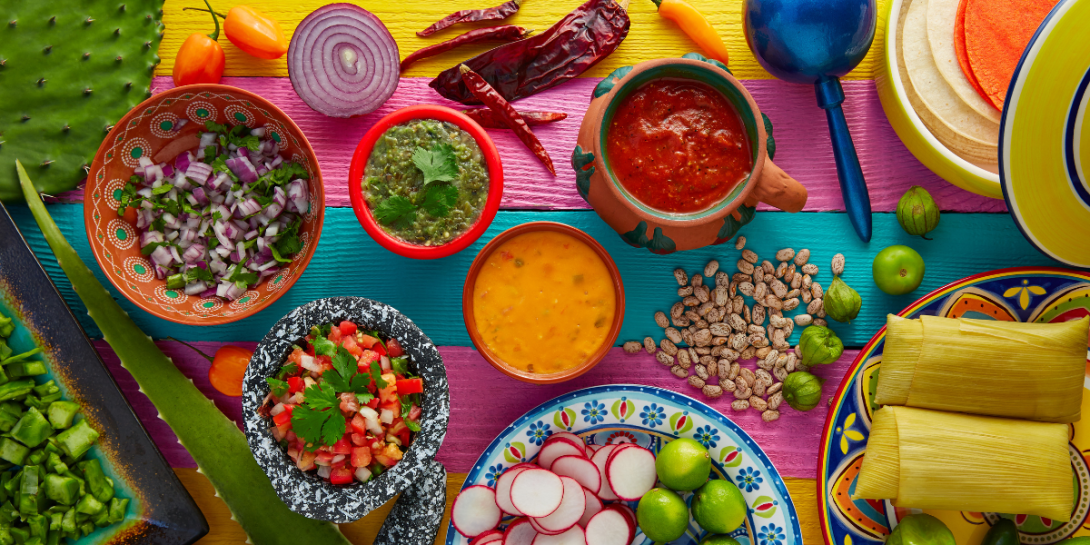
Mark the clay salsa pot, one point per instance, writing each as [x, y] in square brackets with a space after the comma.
[665, 232]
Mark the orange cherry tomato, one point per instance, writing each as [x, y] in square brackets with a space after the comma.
[254, 33]
[228, 369]
[200, 59]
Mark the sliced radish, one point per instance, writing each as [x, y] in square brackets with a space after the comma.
[503, 488]
[487, 537]
[610, 527]
[594, 505]
[475, 511]
[551, 451]
[600, 458]
[581, 469]
[628, 512]
[569, 437]
[618, 448]
[537, 493]
[570, 511]
[591, 449]
[574, 536]
[537, 528]
[519, 532]
[631, 472]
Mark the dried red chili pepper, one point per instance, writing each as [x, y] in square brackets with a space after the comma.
[491, 98]
[520, 69]
[505, 32]
[497, 13]
[489, 119]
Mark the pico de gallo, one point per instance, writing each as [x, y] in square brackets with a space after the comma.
[345, 404]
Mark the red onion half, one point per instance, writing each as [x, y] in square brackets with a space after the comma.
[342, 61]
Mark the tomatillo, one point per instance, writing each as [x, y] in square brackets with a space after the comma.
[898, 270]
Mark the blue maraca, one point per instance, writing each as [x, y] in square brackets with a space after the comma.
[818, 41]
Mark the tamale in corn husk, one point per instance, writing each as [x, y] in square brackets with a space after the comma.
[1010, 369]
[937, 460]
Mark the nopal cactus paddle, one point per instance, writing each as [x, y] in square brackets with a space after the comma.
[216, 443]
[68, 71]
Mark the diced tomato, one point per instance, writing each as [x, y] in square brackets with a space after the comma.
[389, 393]
[404, 436]
[296, 356]
[389, 456]
[340, 475]
[379, 348]
[306, 460]
[393, 348]
[335, 335]
[324, 458]
[410, 386]
[361, 457]
[358, 424]
[296, 384]
[367, 341]
[366, 359]
[373, 403]
[342, 446]
[284, 418]
[397, 425]
[325, 362]
[347, 328]
[359, 440]
[415, 412]
[349, 344]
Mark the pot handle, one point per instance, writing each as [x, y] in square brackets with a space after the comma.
[777, 188]
[417, 514]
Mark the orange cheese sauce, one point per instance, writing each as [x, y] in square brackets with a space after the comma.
[544, 302]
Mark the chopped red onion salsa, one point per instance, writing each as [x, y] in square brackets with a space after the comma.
[217, 222]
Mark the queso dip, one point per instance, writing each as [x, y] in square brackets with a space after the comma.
[543, 302]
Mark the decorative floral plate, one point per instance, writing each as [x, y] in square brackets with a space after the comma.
[651, 417]
[1027, 294]
[153, 129]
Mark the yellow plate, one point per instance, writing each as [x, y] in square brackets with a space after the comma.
[910, 128]
[1044, 139]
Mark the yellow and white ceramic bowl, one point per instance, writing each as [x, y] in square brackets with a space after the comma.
[1044, 140]
[911, 129]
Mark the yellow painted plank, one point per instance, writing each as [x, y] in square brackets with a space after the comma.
[225, 531]
[651, 36]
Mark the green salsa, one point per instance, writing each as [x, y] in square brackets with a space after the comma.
[426, 181]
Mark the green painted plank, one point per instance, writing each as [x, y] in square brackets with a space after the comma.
[430, 292]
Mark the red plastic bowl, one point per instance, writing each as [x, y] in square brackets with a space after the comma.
[359, 164]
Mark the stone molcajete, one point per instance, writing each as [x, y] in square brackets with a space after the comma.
[665, 232]
[419, 479]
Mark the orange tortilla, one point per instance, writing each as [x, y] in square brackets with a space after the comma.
[996, 34]
[963, 56]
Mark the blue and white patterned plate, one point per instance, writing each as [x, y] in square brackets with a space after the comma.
[651, 417]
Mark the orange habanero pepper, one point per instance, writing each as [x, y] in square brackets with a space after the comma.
[693, 23]
[200, 59]
[253, 32]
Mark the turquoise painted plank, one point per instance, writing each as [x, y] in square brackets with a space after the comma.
[430, 292]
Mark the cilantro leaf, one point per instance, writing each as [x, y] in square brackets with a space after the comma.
[413, 426]
[165, 188]
[289, 369]
[400, 365]
[212, 126]
[406, 408]
[398, 211]
[278, 387]
[318, 420]
[287, 242]
[276, 254]
[334, 379]
[438, 164]
[242, 277]
[323, 346]
[358, 384]
[345, 364]
[439, 199]
[376, 374]
[364, 397]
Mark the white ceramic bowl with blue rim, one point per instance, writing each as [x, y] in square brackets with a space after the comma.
[651, 417]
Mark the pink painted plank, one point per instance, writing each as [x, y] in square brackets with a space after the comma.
[802, 139]
[484, 402]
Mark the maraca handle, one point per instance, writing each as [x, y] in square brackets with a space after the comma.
[856, 198]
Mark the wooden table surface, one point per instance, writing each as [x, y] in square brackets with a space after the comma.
[975, 235]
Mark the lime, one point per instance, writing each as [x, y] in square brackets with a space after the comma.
[719, 507]
[921, 529]
[662, 515]
[719, 540]
[683, 465]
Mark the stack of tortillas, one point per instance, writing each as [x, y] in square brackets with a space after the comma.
[956, 59]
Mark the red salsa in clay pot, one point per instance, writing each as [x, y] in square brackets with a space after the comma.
[678, 145]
